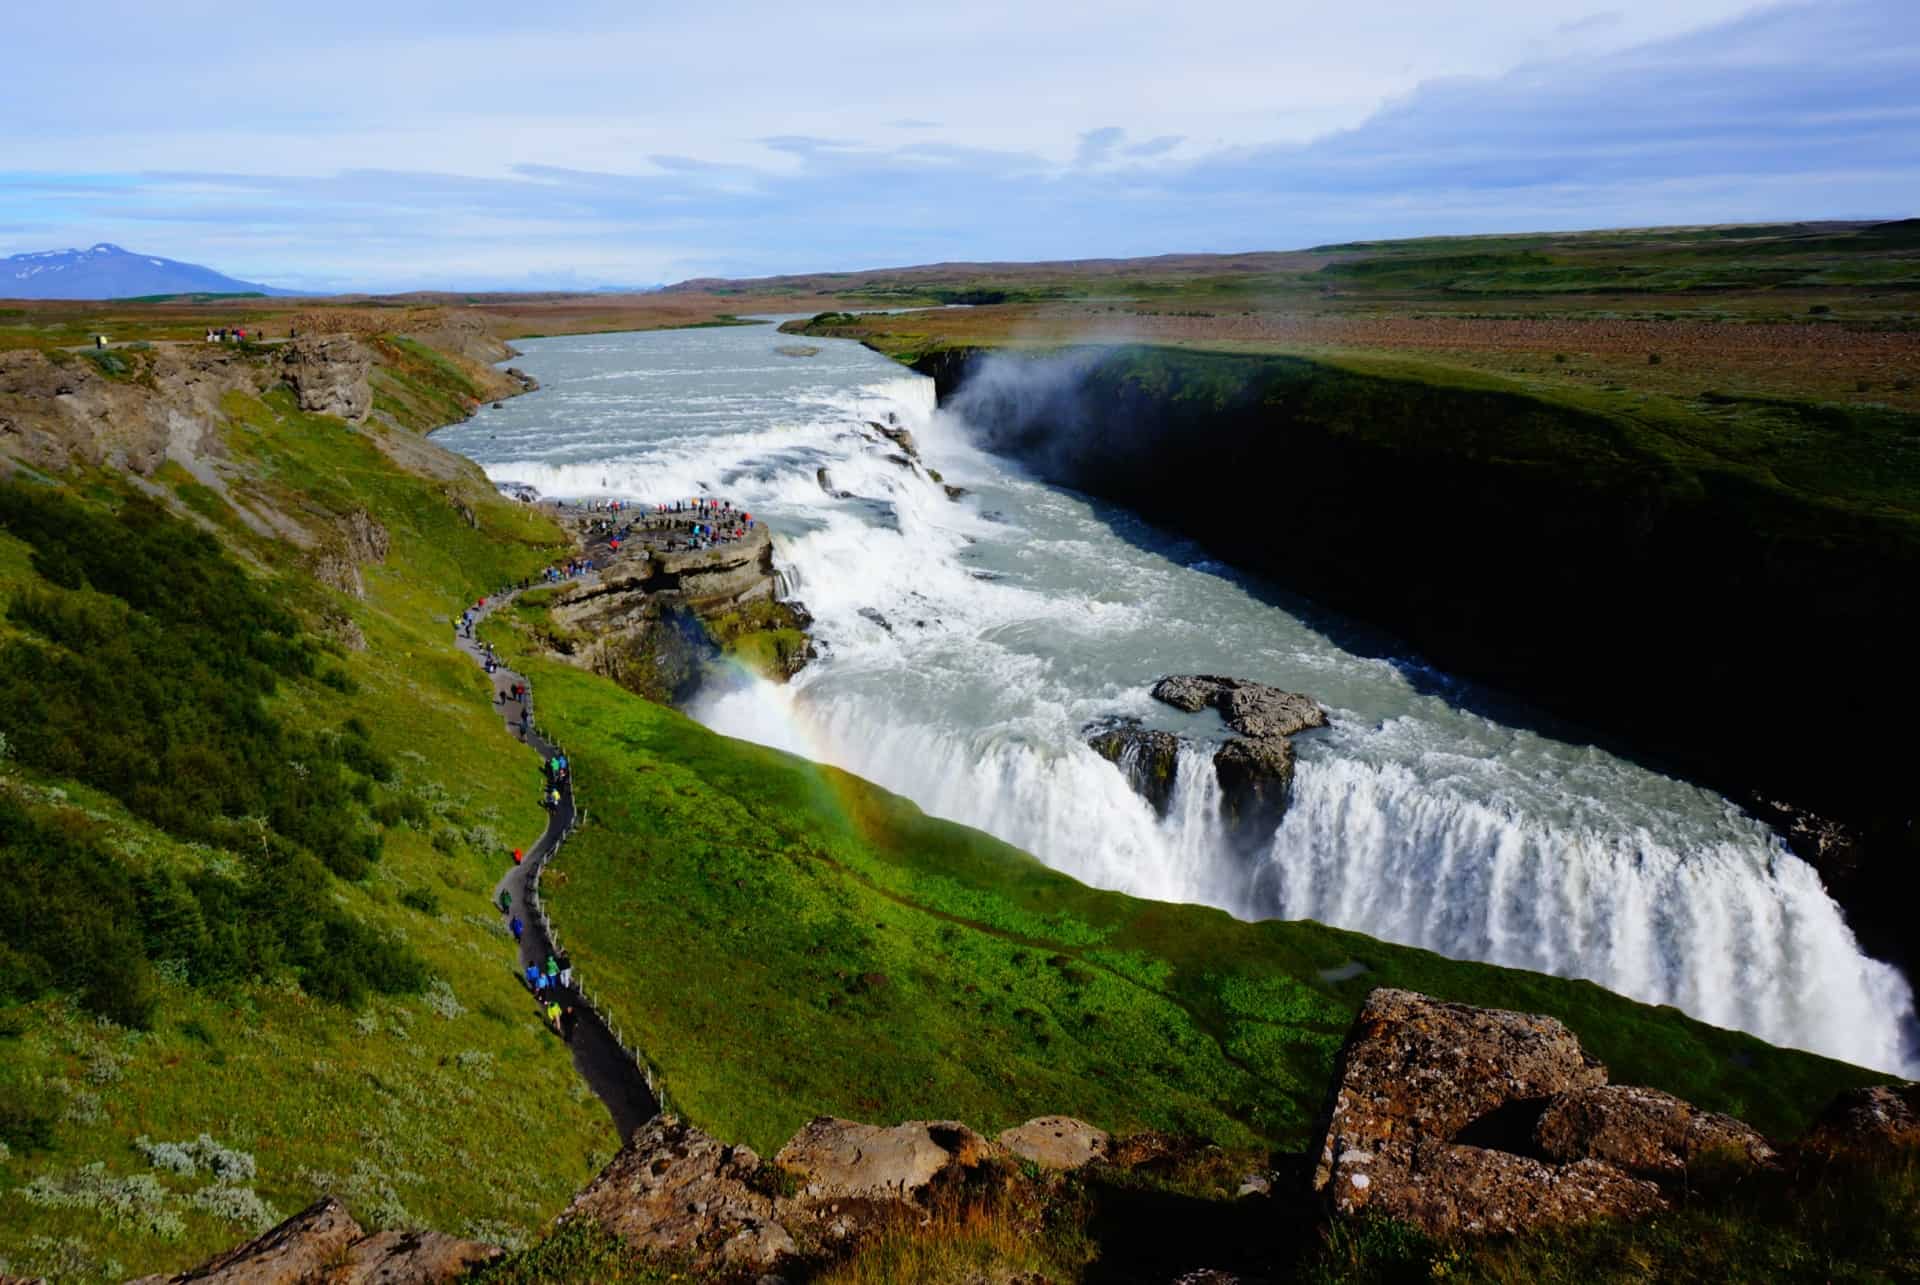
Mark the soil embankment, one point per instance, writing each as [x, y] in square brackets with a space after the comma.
[1695, 610]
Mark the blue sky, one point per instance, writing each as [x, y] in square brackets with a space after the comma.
[486, 145]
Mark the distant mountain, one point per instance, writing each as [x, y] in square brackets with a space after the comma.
[107, 272]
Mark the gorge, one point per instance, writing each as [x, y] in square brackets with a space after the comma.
[966, 642]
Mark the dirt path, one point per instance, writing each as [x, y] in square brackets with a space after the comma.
[607, 1069]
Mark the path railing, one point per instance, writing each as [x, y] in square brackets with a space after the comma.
[649, 1073]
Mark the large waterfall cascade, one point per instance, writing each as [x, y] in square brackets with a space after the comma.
[966, 644]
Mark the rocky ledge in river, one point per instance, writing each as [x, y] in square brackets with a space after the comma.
[1255, 770]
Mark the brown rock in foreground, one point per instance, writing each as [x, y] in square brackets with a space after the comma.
[674, 1189]
[323, 1245]
[1872, 1123]
[1434, 1108]
[1057, 1142]
[842, 1159]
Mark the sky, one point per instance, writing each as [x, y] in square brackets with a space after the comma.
[485, 145]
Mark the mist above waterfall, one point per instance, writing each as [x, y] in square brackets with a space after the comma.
[965, 646]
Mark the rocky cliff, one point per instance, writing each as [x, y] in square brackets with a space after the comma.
[1627, 581]
[658, 619]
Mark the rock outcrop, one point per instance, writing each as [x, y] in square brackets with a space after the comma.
[674, 1190]
[323, 1245]
[1436, 1110]
[1057, 1142]
[1255, 770]
[1150, 760]
[1874, 1123]
[330, 375]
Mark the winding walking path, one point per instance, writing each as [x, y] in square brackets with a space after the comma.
[606, 1067]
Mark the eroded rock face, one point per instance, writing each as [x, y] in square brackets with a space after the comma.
[1150, 760]
[1057, 1142]
[1645, 1132]
[676, 1190]
[330, 375]
[1877, 1122]
[1256, 782]
[1255, 770]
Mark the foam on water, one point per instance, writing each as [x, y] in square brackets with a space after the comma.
[965, 646]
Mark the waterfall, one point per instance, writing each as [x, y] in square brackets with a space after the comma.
[966, 645]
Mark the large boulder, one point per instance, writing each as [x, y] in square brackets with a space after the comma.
[1880, 1122]
[330, 375]
[836, 1159]
[1644, 1131]
[677, 1191]
[1057, 1142]
[1435, 1107]
[1149, 759]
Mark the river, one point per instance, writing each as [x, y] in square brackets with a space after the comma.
[965, 645]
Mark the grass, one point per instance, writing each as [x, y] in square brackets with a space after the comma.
[784, 939]
[451, 1107]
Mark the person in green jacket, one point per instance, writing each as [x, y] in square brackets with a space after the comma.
[506, 901]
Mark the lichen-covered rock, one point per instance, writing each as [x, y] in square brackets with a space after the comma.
[1057, 1142]
[676, 1190]
[1149, 759]
[1878, 1122]
[836, 1159]
[1420, 1080]
[1476, 1191]
[330, 375]
[1644, 1131]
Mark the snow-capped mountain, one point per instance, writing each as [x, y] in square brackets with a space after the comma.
[106, 271]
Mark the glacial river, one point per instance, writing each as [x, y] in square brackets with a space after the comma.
[964, 646]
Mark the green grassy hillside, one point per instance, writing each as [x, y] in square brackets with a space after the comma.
[784, 939]
[244, 934]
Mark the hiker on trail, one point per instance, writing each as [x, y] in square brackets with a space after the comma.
[516, 856]
[533, 977]
[553, 1015]
[553, 966]
[566, 975]
[516, 925]
[506, 901]
[568, 1020]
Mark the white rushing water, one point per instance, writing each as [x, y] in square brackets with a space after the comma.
[966, 645]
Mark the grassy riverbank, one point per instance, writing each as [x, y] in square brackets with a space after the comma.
[785, 940]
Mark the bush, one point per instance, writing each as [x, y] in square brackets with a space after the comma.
[422, 900]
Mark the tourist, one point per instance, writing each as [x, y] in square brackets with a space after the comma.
[516, 926]
[553, 1015]
[533, 977]
[516, 856]
[506, 901]
[566, 975]
[568, 1020]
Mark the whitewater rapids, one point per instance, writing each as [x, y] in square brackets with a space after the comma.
[966, 644]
